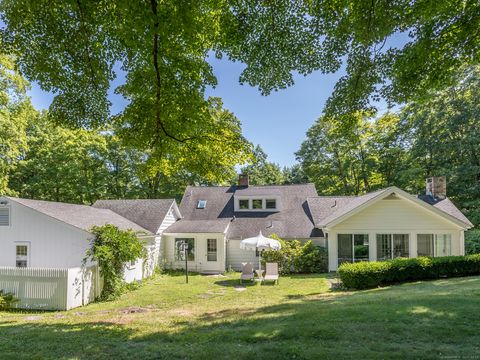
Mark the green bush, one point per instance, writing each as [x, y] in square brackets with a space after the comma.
[472, 241]
[364, 275]
[7, 300]
[112, 249]
[297, 258]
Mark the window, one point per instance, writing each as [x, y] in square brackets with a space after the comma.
[353, 248]
[201, 204]
[243, 204]
[391, 246]
[4, 216]
[211, 249]
[434, 244]
[400, 245]
[271, 204]
[21, 256]
[425, 244]
[443, 245]
[180, 251]
[257, 204]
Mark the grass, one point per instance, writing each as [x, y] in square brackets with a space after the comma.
[301, 318]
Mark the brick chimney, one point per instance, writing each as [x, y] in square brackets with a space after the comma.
[436, 186]
[243, 180]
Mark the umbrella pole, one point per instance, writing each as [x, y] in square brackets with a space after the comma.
[260, 260]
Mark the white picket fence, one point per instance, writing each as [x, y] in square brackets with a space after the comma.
[51, 289]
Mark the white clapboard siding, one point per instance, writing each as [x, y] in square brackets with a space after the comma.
[237, 256]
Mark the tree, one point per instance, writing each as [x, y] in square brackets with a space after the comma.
[15, 111]
[76, 48]
[263, 172]
[444, 140]
[397, 51]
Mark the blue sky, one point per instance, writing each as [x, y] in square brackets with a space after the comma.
[277, 122]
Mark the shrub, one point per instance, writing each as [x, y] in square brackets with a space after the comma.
[112, 249]
[364, 275]
[472, 241]
[7, 300]
[297, 258]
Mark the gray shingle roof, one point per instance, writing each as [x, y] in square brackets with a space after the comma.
[449, 207]
[293, 221]
[148, 213]
[80, 216]
[198, 226]
[327, 209]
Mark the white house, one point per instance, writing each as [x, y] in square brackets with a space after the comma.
[381, 225]
[48, 235]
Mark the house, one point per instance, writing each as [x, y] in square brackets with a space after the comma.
[42, 240]
[49, 235]
[216, 218]
[381, 225]
[389, 223]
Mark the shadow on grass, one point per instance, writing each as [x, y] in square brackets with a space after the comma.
[235, 283]
[405, 321]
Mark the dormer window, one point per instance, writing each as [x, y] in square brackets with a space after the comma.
[271, 204]
[243, 204]
[257, 204]
[201, 204]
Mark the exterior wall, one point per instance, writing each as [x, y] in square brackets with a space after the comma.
[200, 264]
[52, 243]
[159, 250]
[237, 256]
[393, 216]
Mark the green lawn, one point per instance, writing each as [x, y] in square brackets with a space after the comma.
[301, 318]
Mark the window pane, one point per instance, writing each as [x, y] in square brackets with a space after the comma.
[201, 204]
[180, 254]
[425, 244]
[243, 204]
[21, 263]
[345, 250]
[271, 204]
[384, 246]
[443, 245]
[212, 250]
[257, 203]
[21, 250]
[400, 245]
[360, 246]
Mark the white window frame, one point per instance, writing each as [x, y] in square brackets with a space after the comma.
[211, 252]
[250, 203]
[435, 235]
[22, 243]
[392, 234]
[352, 242]
[9, 209]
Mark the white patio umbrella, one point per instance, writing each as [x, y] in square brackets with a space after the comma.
[260, 242]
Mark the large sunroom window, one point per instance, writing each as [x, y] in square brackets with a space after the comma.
[391, 246]
[352, 248]
[434, 244]
[179, 251]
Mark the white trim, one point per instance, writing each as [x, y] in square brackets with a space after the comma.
[404, 195]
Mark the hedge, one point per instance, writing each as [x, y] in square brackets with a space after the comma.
[364, 275]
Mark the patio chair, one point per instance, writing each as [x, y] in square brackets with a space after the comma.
[247, 272]
[271, 272]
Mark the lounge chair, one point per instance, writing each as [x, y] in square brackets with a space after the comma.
[271, 272]
[247, 272]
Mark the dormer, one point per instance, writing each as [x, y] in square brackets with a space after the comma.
[257, 199]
